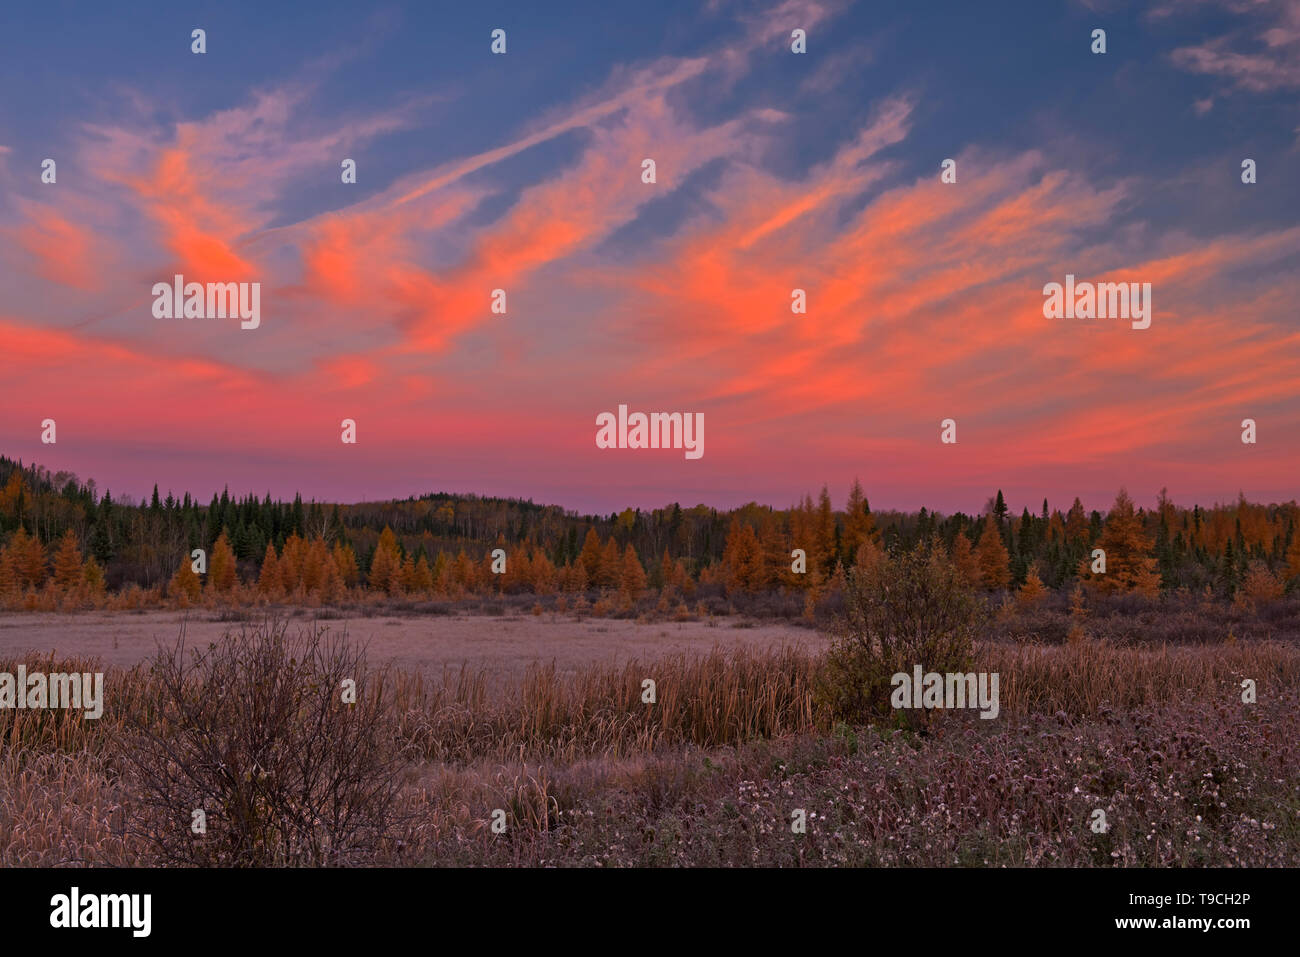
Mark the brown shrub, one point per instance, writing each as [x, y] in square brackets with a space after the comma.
[254, 732]
[912, 609]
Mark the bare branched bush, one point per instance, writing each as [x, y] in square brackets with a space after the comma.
[254, 732]
[911, 609]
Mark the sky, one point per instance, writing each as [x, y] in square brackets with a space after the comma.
[774, 171]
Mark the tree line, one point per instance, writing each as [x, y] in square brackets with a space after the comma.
[59, 535]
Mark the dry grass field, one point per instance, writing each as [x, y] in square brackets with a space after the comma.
[500, 646]
[545, 732]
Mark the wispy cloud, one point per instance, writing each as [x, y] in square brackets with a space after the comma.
[924, 298]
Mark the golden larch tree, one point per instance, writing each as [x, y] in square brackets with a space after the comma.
[519, 567]
[1077, 529]
[221, 566]
[859, 523]
[185, 586]
[991, 554]
[406, 577]
[464, 573]
[963, 560]
[270, 581]
[1129, 563]
[331, 582]
[611, 565]
[869, 557]
[92, 579]
[442, 583]
[317, 564]
[575, 578]
[590, 556]
[665, 571]
[29, 558]
[14, 496]
[541, 573]
[774, 552]
[293, 558]
[801, 534]
[67, 563]
[742, 558]
[1056, 528]
[345, 559]
[386, 564]
[632, 577]
[422, 581]
[1033, 590]
[1260, 586]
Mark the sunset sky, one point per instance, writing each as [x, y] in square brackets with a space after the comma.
[776, 171]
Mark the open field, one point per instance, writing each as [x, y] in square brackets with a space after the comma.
[502, 646]
[583, 772]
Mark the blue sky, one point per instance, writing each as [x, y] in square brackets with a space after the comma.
[478, 170]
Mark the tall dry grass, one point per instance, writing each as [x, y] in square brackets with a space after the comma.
[551, 749]
[1085, 675]
[705, 700]
[45, 730]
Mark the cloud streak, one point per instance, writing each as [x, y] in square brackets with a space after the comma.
[924, 298]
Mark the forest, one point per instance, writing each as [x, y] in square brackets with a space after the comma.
[63, 544]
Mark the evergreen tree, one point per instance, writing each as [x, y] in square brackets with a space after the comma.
[1000, 510]
[9, 581]
[1293, 555]
[1230, 570]
[824, 533]
[101, 542]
